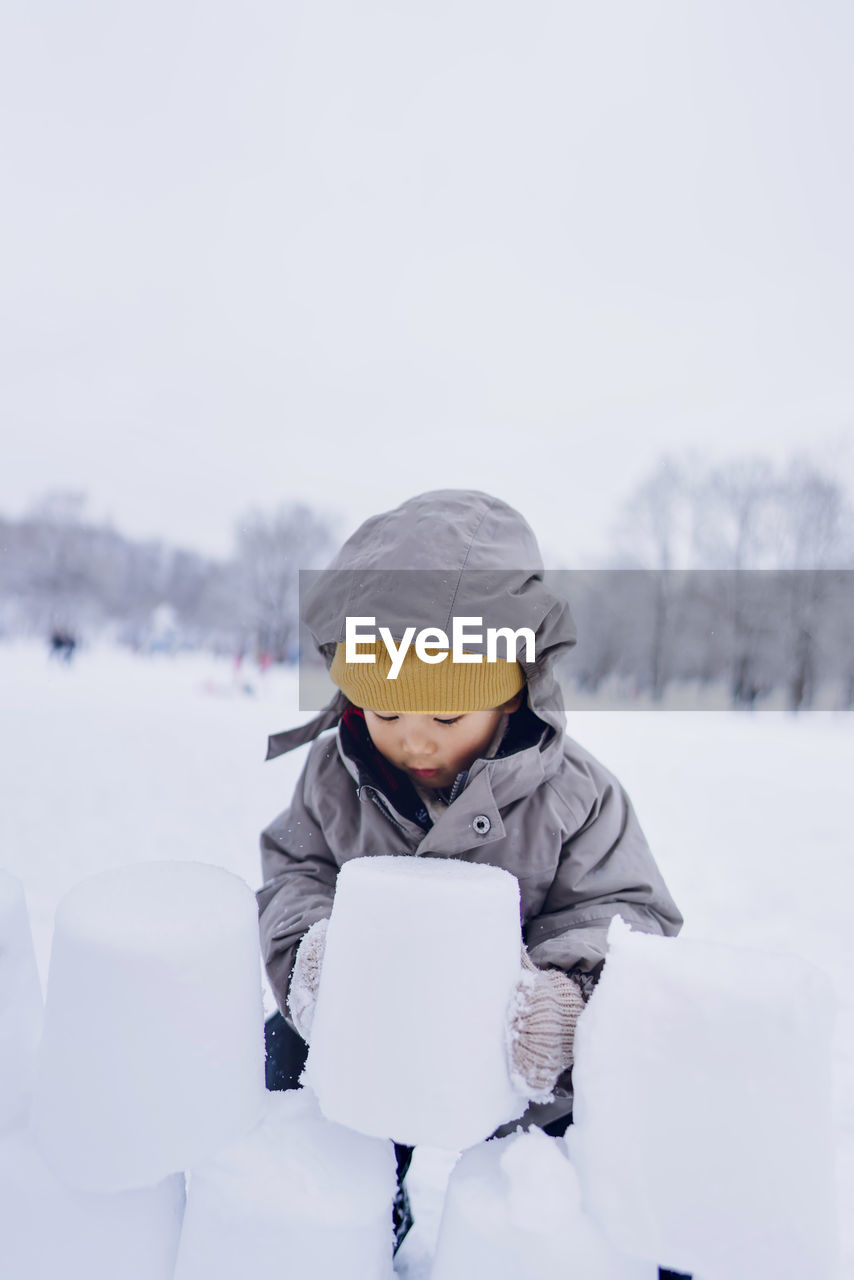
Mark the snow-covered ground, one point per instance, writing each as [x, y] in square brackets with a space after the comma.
[120, 759]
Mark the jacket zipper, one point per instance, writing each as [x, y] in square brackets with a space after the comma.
[384, 809]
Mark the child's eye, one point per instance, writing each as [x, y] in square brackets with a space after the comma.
[387, 719]
[451, 721]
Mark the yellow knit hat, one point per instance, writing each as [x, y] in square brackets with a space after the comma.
[441, 688]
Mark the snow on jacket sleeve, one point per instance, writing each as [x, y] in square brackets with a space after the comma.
[299, 885]
[605, 869]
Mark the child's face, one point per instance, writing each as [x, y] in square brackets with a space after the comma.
[434, 749]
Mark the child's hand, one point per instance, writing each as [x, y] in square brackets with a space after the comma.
[305, 979]
[541, 1029]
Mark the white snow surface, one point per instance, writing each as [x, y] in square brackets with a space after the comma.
[50, 1230]
[513, 1211]
[120, 759]
[20, 1003]
[422, 958]
[702, 1120]
[283, 1200]
[152, 1052]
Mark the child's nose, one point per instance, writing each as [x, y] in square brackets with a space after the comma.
[420, 741]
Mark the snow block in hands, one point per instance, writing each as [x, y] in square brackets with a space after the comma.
[298, 1196]
[20, 1003]
[513, 1212]
[408, 1039]
[48, 1229]
[152, 1056]
[703, 1133]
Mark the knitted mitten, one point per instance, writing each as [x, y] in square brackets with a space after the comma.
[541, 1029]
[305, 979]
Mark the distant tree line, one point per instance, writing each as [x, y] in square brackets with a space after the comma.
[62, 572]
[736, 575]
[740, 575]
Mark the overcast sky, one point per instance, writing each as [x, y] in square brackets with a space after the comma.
[344, 252]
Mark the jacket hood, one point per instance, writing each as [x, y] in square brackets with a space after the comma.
[443, 554]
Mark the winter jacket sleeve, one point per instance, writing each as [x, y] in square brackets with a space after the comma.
[299, 884]
[605, 869]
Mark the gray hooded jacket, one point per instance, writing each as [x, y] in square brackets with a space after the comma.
[543, 808]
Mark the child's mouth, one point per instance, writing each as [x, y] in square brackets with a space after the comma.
[425, 773]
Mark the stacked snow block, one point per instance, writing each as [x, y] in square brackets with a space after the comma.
[513, 1212]
[703, 1131]
[421, 962]
[47, 1227]
[150, 1060]
[702, 1138]
[151, 1066]
[296, 1196]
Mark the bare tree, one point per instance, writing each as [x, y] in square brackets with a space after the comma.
[736, 528]
[735, 516]
[271, 549]
[59, 578]
[752, 518]
[653, 526]
[813, 517]
[653, 534]
[765, 611]
[58, 570]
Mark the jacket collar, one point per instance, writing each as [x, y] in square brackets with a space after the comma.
[530, 752]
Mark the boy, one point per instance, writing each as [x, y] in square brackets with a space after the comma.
[455, 759]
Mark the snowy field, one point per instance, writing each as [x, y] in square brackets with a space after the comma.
[119, 759]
